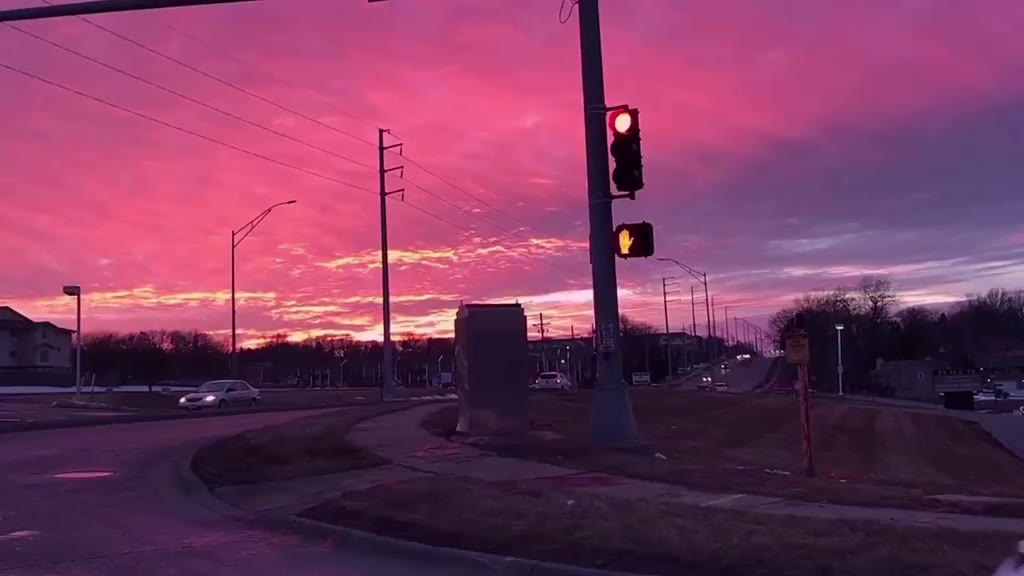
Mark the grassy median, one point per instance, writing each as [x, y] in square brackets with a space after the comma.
[524, 520]
[306, 447]
[875, 456]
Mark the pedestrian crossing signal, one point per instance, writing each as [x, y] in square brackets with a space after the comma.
[635, 240]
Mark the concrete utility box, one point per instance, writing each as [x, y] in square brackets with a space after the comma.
[491, 369]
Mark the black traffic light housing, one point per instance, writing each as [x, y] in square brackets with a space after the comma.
[628, 169]
[634, 240]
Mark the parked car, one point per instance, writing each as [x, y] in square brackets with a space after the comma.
[721, 387]
[551, 381]
[221, 394]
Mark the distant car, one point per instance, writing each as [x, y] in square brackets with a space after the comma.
[551, 381]
[721, 387]
[704, 386]
[221, 394]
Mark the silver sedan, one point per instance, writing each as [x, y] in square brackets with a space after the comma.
[221, 394]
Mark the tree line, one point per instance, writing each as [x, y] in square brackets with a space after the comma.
[876, 329]
[158, 357]
[177, 356]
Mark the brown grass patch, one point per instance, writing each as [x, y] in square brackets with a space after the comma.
[725, 442]
[640, 536]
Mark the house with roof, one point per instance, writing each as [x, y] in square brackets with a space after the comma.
[27, 344]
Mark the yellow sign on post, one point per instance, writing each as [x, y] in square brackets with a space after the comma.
[797, 348]
[798, 352]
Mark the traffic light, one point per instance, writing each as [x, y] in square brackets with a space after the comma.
[628, 173]
[634, 240]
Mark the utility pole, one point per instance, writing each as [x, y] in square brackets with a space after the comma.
[736, 327]
[668, 333]
[714, 326]
[612, 421]
[707, 304]
[727, 326]
[385, 280]
[693, 313]
[541, 325]
[543, 347]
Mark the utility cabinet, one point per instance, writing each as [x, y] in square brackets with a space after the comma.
[491, 369]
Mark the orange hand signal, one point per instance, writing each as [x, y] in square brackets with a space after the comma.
[625, 241]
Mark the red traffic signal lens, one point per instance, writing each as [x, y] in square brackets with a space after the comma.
[621, 121]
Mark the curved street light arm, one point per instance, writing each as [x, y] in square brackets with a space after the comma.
[251, 225]
[699, 276]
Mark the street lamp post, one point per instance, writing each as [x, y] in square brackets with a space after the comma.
[237, 236]
[76, 291]
[699, 277]
[839, 349]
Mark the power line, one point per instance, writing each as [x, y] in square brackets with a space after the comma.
[438, 218]
[456, 206]
[222, 52]
[189, 98]
[290, 110]
[185, 130]
[235, 148]
[465, 192]
[278, 79]
[219, 80]
[257, 125]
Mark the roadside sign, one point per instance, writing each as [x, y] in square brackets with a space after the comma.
[797, 348]
[606, 338]
[956, 380]
[641, 378]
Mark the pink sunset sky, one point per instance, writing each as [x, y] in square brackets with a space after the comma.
[789, 146]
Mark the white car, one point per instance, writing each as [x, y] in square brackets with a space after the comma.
[221, 394]
[551, 381]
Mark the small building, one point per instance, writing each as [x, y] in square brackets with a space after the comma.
[906, 379]
[27, 344]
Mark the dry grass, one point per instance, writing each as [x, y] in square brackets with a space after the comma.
[724, 442]
[640, 536]
[306, 447]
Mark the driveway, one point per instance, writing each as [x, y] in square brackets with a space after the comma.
[137, 521]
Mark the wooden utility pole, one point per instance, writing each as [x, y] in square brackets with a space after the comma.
[798, 352]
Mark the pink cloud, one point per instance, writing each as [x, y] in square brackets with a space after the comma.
[487, 96]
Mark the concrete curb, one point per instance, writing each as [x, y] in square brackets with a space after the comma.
[191, 486]
[134, 417]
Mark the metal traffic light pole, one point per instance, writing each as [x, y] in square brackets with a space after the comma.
[612, 422]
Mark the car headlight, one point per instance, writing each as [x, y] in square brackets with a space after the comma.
[181, 400]
[210, 398]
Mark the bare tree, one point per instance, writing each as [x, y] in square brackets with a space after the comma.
[879, 298]
[632, 327]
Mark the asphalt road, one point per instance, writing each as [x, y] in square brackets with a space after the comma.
[139, 521]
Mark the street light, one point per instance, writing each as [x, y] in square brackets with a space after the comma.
[839, 349]
[699, 277]
[247, 228]
[76, 291]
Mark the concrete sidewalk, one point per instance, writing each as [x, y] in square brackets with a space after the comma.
[414, 453]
